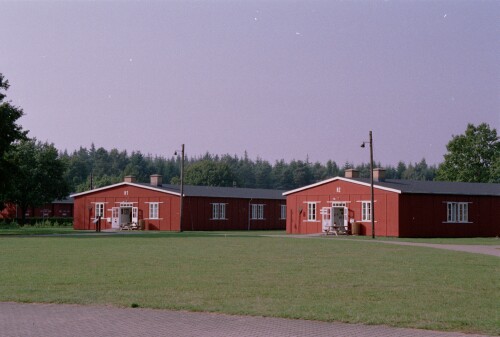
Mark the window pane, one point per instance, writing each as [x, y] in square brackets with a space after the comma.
[311, 211]
[366, 214]
[283, 211]
[218, 211]
[153, 210]
[99, 210]
[222, 211]
[214, 211]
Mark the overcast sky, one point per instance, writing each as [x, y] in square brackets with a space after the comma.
[279, 79]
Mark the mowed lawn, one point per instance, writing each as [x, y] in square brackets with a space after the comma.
[318, 279]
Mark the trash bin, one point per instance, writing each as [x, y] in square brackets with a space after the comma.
[141, 224]
[355, 228]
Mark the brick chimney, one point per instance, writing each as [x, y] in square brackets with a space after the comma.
[156, 179]
[129, 179]
[351, 173]
[378, 174]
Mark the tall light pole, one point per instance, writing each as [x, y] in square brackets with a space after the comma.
[372, 204]
[182, 186]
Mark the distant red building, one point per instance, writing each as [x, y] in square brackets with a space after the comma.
[56, 209]
[156, 206]
[402, 208]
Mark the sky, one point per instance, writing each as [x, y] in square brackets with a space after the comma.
[299, 79]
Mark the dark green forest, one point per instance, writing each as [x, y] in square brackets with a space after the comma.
[100, 167]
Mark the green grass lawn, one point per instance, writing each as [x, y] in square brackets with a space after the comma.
[328, 280]
[30, 230]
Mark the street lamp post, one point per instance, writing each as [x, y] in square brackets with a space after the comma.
[182, 186]
[372, 203]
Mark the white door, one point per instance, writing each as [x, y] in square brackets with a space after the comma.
[326, 218]
[346, 218]
[115, 217]
[135, 215]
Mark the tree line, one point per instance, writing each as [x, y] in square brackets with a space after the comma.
[97, 167]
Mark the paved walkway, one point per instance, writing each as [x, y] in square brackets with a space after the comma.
[64, 320]
[477, 249]
[493, 250]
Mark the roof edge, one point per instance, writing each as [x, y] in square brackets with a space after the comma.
[342, 179]
[125, 183]
[319, 183]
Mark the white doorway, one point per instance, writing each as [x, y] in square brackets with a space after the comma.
[340, 217]
[126, 214]
[115, 220]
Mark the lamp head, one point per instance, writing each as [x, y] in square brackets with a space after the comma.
[363, 145]
[175, 153]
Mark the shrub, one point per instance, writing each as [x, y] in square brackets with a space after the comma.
[49, 222]
[8, 224]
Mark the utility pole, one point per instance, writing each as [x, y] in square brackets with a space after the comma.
[371, 187]
[372, 201]
[182, 187]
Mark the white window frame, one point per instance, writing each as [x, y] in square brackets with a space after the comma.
[366, 211]
[457, 212]
[154, 210]
[218, 211]
[311, 211]
[258, 211]
[99, 209]
[282, 212]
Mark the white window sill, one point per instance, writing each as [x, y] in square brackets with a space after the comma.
[457, 222]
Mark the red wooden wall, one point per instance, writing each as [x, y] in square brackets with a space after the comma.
[424, 215]
[400, 215]
[168, 210]
[52, 210]
[197, 212]
[386, 207]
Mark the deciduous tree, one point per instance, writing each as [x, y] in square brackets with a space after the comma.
[472, 156]
[37, 176]
[10, 131]
[209, 173]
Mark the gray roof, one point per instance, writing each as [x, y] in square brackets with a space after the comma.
[223, 192]
[437, 187]
[67, 200]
